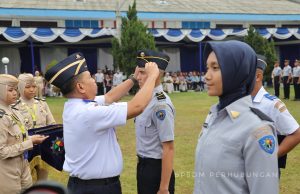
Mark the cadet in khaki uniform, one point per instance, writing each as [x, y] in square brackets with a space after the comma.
[39, 80]
[237, 148]
[155, 133]
[36, 113]
[14, 141]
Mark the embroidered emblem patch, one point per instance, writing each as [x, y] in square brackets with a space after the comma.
[267, 143]
[161, 114]
[57, 146]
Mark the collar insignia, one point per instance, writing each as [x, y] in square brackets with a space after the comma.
[234, 114]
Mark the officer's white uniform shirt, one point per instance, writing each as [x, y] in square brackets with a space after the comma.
[287, 70]
[91, 146]
[155, 125]
[232, 155]
[284, 122]
[296, 71]
[277, 71]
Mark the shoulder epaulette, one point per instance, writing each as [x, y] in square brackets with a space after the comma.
[39, 99]
[270, 97]
[2, 113]
[15, 104]
[261, 115]
[160, 96]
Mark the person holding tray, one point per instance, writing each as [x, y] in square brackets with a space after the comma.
[14, 141]
[36, 113]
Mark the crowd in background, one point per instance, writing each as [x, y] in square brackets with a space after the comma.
[172, 82]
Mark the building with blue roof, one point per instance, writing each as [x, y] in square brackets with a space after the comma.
[35, 32]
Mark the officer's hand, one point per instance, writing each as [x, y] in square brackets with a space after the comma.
[38, 139]
[151, 69]
[163, 192]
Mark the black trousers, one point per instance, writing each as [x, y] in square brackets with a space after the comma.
[149, 176]
[277, 86]
[296, 88]
[286, 87]
[94, 186]
[100, 87]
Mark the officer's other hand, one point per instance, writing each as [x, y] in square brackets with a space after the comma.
[136, 72]
[165, 191]
[152, 69]
[38, 139]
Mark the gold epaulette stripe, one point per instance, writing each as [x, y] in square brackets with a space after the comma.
[67, 67]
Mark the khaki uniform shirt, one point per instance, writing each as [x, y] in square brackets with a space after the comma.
[14, 169]
[38, 111]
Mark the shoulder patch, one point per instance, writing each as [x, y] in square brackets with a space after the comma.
[280, 106]
[2, 113]
[261, 115]
[267, 143]
[160, 96]
[161, 114]
[270, 97]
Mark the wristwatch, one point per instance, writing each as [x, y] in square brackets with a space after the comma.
[133, 79]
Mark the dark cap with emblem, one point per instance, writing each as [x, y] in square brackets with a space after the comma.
[160, 58]
[261, 62]
[66, 69]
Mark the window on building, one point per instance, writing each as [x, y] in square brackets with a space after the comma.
[229, 26]
[38, 24]
[263, 25]
[5, 23]
[81, 23]
[195, 25]
[291, 26]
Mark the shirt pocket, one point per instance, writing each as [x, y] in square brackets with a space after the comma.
[15, 135]
[147, 128]
[231, 156]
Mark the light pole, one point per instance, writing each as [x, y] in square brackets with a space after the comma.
[5, 61]
[119, 5]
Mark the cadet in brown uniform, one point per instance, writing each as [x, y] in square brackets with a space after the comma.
[14, 141]
[36, 113]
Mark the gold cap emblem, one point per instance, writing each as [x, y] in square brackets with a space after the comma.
[234, 114]
[142, 54]
[78, 56]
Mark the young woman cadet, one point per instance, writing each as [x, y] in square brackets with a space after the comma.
[236, 151]
[14, 141]
[36, 113]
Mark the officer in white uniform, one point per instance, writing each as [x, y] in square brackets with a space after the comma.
[237, 149]
[287, 78]
[93, 157]
[155, 133]
[288, 131]
[276, 76]
[296, 79]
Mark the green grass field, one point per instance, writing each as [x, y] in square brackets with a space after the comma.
[191, 110]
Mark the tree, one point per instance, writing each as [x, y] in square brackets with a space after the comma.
[264, 47]
[134, 37]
